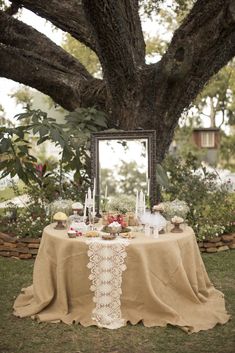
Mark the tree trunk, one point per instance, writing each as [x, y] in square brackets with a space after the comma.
[133, 94]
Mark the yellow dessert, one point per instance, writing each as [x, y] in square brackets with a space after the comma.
[92, 233]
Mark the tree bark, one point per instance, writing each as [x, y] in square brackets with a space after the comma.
[133, 94]
[66, 15]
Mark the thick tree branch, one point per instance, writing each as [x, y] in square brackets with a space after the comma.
[67, 15]
[135, 94]
[118, 30]
[17, 34]
[121, 52]
[12, 9]
[202, 45]
[29, 57]
[64, 87]
[130, 10]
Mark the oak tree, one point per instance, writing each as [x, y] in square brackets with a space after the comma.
[134, 94]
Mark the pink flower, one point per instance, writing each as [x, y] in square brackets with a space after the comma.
[40, 169]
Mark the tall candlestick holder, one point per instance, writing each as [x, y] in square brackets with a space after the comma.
[90, 216]
[90, 204]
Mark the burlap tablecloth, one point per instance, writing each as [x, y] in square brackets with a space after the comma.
[165, 283]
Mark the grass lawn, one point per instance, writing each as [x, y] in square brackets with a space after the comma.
[28, 336]
[8, 193]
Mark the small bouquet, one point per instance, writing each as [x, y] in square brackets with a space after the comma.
[119, 219]
[177, 220]
[116, 224]
[159, 208]
[175, 208]
[114, 227]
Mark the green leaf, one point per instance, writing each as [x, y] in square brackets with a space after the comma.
[43, 131]
[36, 129]
[18, 166]
[161, 176]
[32, 158]
[43, 139]
[23, 115]
[101, 123]
[5, 145]
[55, 135]
[23, 149]
[77, 176]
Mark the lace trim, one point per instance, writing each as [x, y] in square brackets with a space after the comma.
[107, 264]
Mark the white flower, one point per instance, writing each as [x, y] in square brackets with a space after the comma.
[177, 220]
[159, 207]
[114, 225]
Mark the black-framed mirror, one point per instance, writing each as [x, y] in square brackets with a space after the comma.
[122, 163]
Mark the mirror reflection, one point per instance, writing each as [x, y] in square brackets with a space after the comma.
[123, 167]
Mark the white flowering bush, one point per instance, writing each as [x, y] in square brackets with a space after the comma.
[211, 207]
[122, 204]
[28, 226]
[210, 231]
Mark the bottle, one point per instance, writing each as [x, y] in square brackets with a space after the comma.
[147, 230]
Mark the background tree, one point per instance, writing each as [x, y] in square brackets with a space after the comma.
[132, 93]
[217, 100]
[86, 56]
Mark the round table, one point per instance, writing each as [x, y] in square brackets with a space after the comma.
[165, 282]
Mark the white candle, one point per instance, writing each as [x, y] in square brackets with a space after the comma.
[89, 198]
[93, 205]
[89, 194]
[94, 188]
[106, 192]
[144, 206]
[136, 203]
[148, 187]
[141, 199]
[84, 211]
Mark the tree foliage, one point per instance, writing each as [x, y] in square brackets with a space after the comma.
[211, 205]
[86, 56]
[72, 138]
[132, 93]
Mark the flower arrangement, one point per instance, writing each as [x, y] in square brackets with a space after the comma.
[175, 208]
[159, 208]
[177, 220]
[114, 227]
[122, 204]
[116, 222]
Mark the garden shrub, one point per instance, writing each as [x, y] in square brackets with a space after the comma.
[30, 220]
[211, 206]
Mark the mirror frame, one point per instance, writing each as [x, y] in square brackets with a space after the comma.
[149, 135]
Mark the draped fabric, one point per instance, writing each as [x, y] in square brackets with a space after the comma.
[165, 282]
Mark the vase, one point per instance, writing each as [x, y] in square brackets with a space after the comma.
[176, 228]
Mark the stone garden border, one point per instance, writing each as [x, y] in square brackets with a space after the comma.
[27, 248]
[20, 248]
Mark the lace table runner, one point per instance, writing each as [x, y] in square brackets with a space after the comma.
[107, 264]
